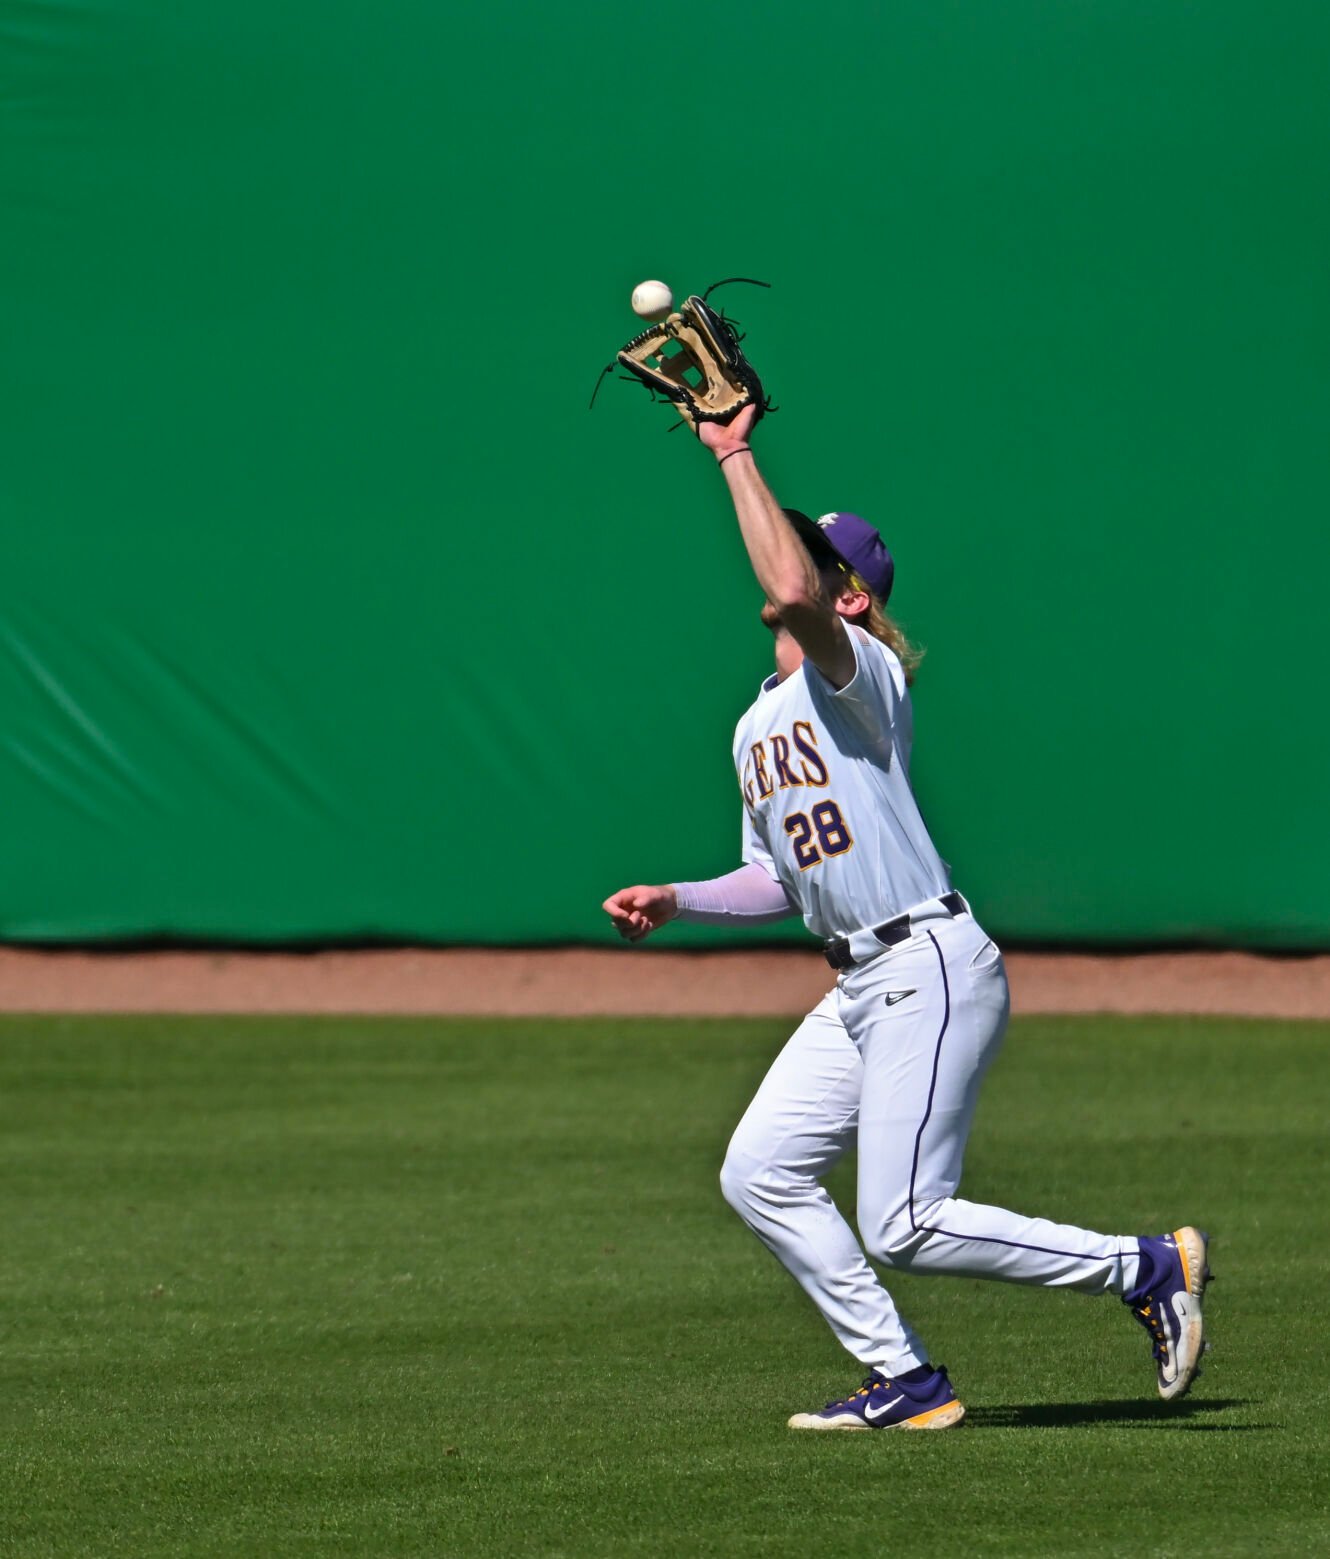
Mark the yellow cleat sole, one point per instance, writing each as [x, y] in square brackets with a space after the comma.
[1194, 1251]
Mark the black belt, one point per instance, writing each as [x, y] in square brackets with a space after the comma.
[900, 928]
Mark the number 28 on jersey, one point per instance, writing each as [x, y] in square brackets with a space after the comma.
[784, 763]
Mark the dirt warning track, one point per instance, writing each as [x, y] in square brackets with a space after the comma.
[618, 981]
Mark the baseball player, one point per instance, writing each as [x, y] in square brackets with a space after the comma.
[891, 1060]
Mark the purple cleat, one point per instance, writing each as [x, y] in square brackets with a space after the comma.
[925, 1403]
[1167, 1301]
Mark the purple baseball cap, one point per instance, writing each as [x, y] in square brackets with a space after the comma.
[851, 540]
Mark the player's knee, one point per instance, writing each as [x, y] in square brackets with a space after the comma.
[892, 1235]
[755, 1187]
[738, 1180]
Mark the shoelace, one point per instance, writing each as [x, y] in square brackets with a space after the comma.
[870, 1385]
[1148, 1315]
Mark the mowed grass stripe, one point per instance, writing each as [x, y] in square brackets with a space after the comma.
[407, 1286]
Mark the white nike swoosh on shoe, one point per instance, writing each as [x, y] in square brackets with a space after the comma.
[1183, 1341]
[894, 996]
[873, 1417]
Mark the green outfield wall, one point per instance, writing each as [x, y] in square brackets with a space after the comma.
[327, 610]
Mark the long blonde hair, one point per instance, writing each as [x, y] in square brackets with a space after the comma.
[876, 621]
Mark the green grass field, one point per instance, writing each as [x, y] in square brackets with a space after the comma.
[367, 1286]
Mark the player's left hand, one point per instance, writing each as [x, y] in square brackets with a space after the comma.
[722, 437]
[640, 910]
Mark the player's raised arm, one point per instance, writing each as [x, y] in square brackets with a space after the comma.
[780, 560]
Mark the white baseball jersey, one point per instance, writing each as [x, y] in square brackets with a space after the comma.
[829, 812]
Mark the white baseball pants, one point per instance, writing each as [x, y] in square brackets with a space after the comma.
[892, 1058]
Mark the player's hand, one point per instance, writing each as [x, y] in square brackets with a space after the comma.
[638, 911]
[722, 438]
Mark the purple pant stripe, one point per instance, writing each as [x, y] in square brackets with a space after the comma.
[927, 1228]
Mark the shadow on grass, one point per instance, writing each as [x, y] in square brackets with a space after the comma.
[1146, 1415]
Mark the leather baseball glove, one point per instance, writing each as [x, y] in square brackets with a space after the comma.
[693, 359]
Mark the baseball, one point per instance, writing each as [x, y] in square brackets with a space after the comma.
[653, 300]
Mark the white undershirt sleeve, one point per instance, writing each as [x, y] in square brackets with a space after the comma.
[748, 897]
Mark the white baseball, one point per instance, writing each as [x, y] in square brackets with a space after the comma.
[653, 300]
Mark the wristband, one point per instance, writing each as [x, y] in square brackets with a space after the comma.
[743, 449]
